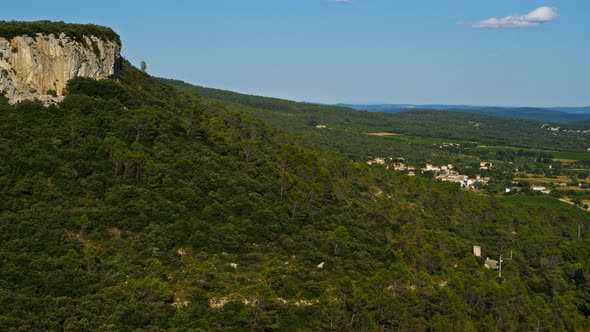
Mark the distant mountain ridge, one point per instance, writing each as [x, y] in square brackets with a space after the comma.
[551, 114]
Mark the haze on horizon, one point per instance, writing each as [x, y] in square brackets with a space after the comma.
[505, 53]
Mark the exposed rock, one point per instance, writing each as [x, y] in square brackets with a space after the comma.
[39, 67]
[220, 302]
[179, 304]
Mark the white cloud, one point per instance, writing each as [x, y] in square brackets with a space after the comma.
[542, 14]
[532, 19]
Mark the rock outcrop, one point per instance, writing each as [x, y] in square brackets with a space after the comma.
[39, 67]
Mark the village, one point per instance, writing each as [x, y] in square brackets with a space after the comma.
[441, 173]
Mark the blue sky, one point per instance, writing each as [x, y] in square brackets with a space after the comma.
[484, 52]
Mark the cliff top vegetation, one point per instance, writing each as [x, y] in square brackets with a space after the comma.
[10, 29]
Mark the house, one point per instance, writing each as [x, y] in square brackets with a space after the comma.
[431, 167]
[538, 188]
[321, 126]
[399, 166]
[452, 177]
[491, 264]
[377, 160]
[477, 250]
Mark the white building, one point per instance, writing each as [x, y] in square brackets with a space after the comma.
[477, 250]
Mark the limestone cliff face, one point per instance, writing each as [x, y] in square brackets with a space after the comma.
[39, 67]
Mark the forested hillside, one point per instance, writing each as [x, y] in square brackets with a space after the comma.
[133, 206]
[349, 125]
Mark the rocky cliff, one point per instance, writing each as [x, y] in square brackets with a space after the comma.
[39, 66]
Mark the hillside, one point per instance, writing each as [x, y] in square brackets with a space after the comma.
[129, 205]
[132, 206]
[346, 132]
[347, 128]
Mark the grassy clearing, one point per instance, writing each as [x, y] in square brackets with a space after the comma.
[564, 155]
[544, 180]
[566, 161]
[383, 134]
